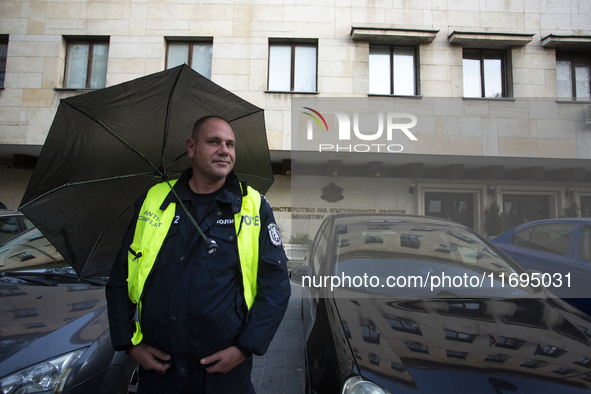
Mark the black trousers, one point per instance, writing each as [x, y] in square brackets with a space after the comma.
[198, 381]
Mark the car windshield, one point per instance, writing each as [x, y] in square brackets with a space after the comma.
[32, 252]
[407, 258]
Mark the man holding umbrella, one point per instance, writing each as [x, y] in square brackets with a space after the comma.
[192, 303]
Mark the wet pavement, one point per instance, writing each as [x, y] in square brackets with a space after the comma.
[281, 369]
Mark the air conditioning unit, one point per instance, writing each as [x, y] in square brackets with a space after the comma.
[588, 115]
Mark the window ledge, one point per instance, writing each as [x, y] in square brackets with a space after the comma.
[289, 92]
[75, 89]
[573, 101]
[576, 43]
[394, 36]
[490, 98]
[417, 96]
[489, 40]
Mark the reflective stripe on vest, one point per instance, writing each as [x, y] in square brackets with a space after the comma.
[152, 227]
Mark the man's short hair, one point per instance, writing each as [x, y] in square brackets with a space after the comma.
[198, 127]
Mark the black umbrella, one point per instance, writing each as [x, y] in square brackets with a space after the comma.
[107, 147]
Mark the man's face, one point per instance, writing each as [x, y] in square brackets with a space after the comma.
[213, 153]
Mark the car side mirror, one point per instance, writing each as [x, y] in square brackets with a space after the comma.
[297, 274]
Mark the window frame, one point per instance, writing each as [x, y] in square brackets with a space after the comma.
[293, 44]
[416, 69]
[4, 41]
[573, 57]
[91, 41]
[505, 66]
[191, 41]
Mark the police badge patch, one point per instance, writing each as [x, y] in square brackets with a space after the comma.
[274, 234]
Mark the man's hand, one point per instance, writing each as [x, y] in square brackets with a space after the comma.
[150, 357]
[225, 360]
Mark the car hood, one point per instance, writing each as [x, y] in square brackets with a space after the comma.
[484, 345]
[41, 322]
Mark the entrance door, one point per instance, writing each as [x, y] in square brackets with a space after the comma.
[519, 209]
[585, 206]
[458, 207]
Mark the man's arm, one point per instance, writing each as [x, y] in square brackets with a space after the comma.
[273, 289]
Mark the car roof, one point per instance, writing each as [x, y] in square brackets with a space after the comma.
[10, 212]
[563, 220]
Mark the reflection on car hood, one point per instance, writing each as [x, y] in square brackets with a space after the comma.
[40, 322]
[488, 345]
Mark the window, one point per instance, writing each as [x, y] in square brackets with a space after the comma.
[82, 306]
[417, 347]
[584, 362]
[25, 313]
[510, 343]
[292, 67]
[550, 351]
[404, 326]
[573, 74]
[454, 354]
[196, 55]
[484, 73]
[86, 64]
[373, 359]
[392, 70]
[497, 358]
[370, 333]
[3, 51]
[6, 291]
[459, 336]
[548, 238]
[534, 364]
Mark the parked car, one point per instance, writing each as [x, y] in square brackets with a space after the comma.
[54, 331]
[392, 328]
[554, 246]
[12, 223]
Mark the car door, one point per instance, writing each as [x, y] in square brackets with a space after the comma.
[311, 294]
[545, 247]
[580, 265]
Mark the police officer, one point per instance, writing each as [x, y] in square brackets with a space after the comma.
[193, 319]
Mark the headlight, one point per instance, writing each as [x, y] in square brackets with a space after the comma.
[357, 385]
[46, 377]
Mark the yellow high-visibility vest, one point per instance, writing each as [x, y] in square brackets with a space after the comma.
[151, 230]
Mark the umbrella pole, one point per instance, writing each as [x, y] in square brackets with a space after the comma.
[209, 244]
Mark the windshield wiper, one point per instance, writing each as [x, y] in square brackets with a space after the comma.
[35, 277]
[29, 278]
[94, 281]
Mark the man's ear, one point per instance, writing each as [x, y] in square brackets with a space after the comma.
[190, 147]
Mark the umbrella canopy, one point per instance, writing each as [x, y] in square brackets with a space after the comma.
[107, 147]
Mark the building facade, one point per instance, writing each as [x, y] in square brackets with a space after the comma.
[500, 89]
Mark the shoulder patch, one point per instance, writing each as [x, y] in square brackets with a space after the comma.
[274, 234]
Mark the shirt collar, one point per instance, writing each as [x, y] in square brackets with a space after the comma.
[231, 194]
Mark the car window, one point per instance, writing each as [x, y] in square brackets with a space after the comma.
[28, 223]
[522, 237]
[549, 238]
[320, 251]
[586, 243]
[30, 250]
[8, 228]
